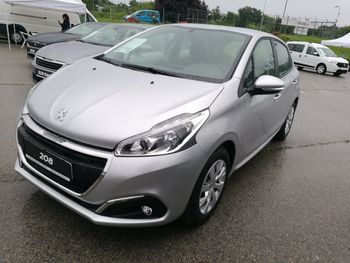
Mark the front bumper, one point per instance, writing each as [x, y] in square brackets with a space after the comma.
[334, 68]
[169, 179]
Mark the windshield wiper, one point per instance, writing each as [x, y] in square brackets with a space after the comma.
[149, 69]
[108, 60]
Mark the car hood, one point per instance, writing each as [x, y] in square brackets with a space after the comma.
[70, 51]
[104, 104]
[338, 60]
[53, 37]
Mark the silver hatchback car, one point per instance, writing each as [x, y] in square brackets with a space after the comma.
[151, 130]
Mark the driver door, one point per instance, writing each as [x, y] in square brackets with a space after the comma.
[311, 57]
[262, 112]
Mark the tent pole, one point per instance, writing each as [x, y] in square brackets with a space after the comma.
[8, 32]
[14, 33]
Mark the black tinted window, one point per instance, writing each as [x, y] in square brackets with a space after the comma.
[264, 63]
[296, 47]
[283, 58]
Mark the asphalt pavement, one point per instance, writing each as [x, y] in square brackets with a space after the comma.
[291, 203]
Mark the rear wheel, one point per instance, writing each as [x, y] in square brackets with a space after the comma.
[16, 37]
[287, 125]
[208, 189]
[321, 69]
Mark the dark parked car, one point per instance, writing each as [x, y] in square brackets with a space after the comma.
[38, 41]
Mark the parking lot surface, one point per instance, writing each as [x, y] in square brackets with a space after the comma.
[291, 203]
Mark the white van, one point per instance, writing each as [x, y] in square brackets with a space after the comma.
[318, 57]
[34, 20]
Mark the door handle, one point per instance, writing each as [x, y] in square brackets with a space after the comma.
[277, 97]
[295, 82]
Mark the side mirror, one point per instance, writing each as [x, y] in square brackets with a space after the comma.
[316, 54]
[267, 84]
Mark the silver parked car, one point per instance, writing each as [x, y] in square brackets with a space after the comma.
[51, 58]
[151, 130]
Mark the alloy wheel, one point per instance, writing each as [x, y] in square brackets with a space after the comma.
[212, 186]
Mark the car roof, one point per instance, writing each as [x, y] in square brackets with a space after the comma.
[246, 31]
[132, 25]
[306, 43]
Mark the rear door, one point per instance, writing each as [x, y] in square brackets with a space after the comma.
[296, 51]
[290, 76]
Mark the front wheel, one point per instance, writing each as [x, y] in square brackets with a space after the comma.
[321, 69]
[287, 125]
[208, 189]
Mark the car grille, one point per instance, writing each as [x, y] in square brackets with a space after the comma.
[342, 65]
[86, 169]
[48, 64]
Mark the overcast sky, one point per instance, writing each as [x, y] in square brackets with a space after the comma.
[300, 8]
[323, 9]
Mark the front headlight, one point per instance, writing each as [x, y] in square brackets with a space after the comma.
[165, 137]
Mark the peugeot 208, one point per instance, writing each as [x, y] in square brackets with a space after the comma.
[151, 130]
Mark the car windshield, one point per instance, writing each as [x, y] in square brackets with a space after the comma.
[181, 51]
[326, 52]
[84, 29]
[110, 35]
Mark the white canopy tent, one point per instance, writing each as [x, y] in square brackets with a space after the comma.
[73, 6]
[343, 41]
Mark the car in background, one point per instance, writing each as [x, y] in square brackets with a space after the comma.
[318, 57]
[51, 58]
[152, 129]
[143, 16]
[34, 43]
[32, 21]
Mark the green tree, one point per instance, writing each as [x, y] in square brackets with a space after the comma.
[249, 15]
[178, 9]
[215, 15]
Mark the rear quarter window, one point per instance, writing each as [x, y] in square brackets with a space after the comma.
[284, 61]
[296, 47]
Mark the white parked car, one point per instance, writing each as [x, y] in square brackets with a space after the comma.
[318, 57]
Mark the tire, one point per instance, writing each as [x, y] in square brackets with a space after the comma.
[337, 74]
[300, 68]
[287, 125]
[207, 192]
[15, 36]
[321, 69]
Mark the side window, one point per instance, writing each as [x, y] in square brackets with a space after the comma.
[264, 63]
[283, 59]
[311, 51]
[151, 13]
[142, 13]
[296, 47]
[248, 76]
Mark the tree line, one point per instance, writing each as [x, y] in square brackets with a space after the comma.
[184, 10]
